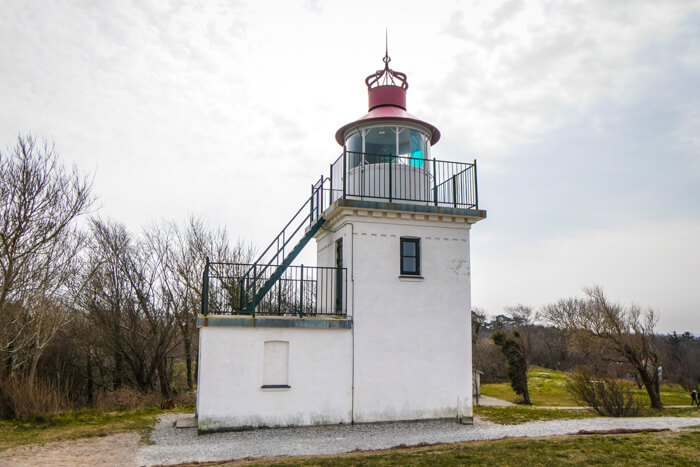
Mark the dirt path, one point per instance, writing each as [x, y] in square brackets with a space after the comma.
[114, 450]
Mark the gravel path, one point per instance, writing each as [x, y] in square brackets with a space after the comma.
[178, 445]
[492, 401]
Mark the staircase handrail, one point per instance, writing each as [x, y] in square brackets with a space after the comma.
[259, 267]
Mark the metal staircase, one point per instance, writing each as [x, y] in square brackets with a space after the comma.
[258, 280]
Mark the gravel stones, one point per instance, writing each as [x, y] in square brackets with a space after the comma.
[176, 445]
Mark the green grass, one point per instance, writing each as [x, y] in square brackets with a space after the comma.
[659, 448]
[75, 424]
[521, 414]
[543, 391]
[552, 391]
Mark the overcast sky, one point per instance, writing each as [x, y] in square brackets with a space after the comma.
[584, 117]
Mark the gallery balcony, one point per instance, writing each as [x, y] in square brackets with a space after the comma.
[403, 182]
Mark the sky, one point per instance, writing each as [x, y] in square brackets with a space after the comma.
[584, 117]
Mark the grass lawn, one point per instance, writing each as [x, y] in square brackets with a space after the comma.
[521, 414]
[659, 448]
[551, 391]
[75, 424]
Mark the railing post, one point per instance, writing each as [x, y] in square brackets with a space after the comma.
[321, 206]
[330, 190]
[454, 190]
[476, 189]
[345, 169]
[311, 207]
[242, 294]
[205, 289]
[301, 294]
[279, 296]
[435, 193]
[255, 282]
[391, 187]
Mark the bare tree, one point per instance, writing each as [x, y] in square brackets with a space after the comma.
[39, 203]
[129, 303]
[478, 320]
[188, 249]
[624, 334]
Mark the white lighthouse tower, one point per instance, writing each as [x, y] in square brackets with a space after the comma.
[379, 330]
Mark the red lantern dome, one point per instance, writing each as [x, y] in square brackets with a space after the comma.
[387, 104]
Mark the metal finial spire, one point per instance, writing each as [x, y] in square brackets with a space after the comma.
[387, 76]
[387, 59]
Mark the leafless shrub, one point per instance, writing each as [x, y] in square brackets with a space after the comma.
[125, 398]
[608, 397]
[623, 334]
[21, 397]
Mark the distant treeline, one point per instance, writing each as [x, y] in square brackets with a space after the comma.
[558, 349]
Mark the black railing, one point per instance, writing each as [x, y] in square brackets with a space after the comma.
[300, 291]
[403, 179]
[277, 250]
[279, 254]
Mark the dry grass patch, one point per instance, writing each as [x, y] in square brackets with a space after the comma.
[75, 424]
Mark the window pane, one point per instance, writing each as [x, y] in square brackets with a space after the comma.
[409, 265]
[417, 145]
[353, 143]
[353, 146]
[381, 141]
[409, 249]
[404, 143]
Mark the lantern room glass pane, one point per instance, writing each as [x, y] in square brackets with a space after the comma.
[353, 147]
[380, 142]
[353, 143]
[412, 147]
[404, 143]
[417, 144]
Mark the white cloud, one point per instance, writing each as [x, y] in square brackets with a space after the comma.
[521, 67]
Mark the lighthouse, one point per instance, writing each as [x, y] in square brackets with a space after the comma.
[379, 329]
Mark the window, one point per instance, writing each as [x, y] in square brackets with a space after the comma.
[372, 145]
[410, 256]
[276, 365]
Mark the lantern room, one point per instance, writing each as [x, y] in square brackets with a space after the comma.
[387, 129]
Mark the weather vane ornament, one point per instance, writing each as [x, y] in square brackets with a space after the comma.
[387, 76]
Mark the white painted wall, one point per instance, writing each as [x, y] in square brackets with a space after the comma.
[412, 337]
[231, 374]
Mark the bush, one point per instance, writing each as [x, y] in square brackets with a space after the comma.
[516, 363]
[125, 398]
[606, 396]
[20, 398]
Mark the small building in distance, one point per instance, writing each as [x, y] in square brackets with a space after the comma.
[379, 330]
